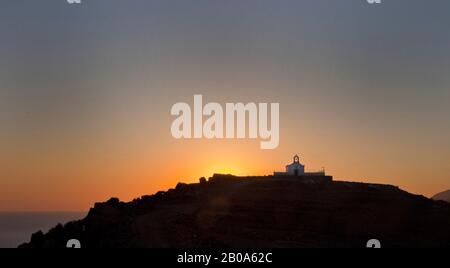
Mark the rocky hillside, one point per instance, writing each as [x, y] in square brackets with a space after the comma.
[266, 212]
[444, 196]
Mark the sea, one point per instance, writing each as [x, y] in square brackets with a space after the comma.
[17, 227]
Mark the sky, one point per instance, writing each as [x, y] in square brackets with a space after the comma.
[86, 92]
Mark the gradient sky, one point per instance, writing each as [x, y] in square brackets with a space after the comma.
[86, 92]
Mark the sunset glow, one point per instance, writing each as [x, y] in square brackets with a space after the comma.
[85, 106]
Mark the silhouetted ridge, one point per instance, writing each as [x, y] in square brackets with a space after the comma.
[229, 211]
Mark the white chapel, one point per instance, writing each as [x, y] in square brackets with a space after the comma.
[297, 169]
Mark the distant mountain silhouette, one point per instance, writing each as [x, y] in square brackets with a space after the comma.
[444, 196]
[260, 212]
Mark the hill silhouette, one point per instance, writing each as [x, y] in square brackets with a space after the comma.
[260, 212]
[444, 196]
